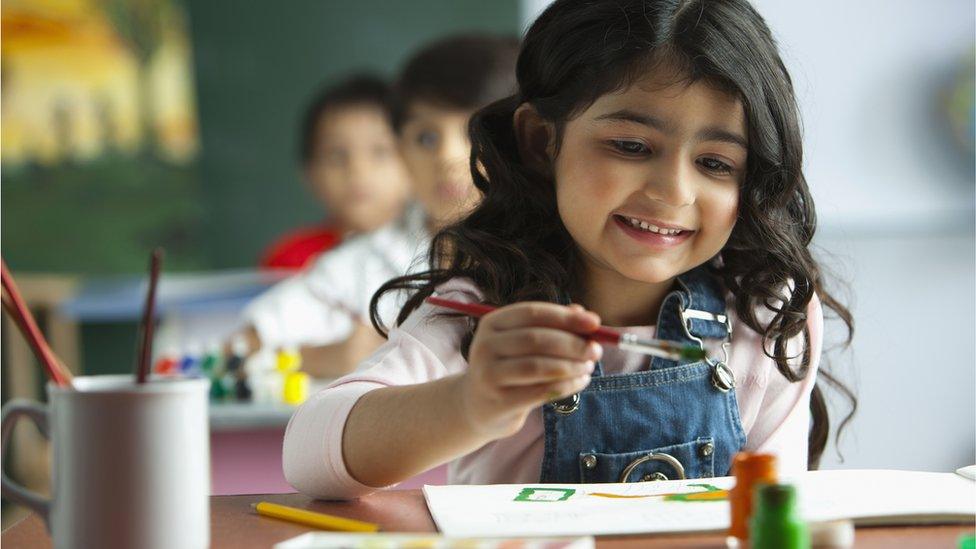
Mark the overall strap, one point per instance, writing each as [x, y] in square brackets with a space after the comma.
[692, 312]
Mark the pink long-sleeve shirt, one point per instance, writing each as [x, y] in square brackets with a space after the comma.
[775, 413]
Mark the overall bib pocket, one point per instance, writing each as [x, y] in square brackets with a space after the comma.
[694, 459]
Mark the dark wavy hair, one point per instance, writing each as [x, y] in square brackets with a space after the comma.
[514, 247]
[462, 72]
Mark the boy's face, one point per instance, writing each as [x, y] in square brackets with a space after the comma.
[355, 170]
[435, 147]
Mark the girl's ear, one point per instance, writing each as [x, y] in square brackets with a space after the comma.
[536, 138]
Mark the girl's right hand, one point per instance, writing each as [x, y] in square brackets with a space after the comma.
[522, 356]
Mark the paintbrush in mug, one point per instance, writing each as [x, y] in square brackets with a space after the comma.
[670, 350]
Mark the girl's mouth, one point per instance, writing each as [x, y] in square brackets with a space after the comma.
[648, 233]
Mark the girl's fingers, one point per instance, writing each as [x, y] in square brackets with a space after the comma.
[514, 372]
[551, 342]
[540, 393]
[541, 314]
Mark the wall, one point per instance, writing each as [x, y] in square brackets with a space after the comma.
[895, 199]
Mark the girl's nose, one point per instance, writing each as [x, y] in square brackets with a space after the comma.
[671, 184]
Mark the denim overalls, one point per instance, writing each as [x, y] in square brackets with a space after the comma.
[676, 420]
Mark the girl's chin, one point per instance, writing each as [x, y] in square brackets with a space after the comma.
[645, 274]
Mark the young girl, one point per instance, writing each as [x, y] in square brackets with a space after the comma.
[648, 171]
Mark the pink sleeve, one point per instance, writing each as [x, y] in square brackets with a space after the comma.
[425, 348]
[783, 423]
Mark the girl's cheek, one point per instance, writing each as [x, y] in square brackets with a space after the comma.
[723, 212]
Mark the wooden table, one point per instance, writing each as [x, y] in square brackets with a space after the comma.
[233, 524]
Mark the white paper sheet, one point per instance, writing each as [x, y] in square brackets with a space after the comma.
[867, 496]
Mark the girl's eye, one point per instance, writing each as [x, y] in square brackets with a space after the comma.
[427, 139]
[630, 147]
[716, 166]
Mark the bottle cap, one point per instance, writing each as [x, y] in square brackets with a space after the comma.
[289, 361]
[835, 534]
[746, 465]
[775, 523]
[211, 360]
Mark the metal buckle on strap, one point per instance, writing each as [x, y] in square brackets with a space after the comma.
[688, 314]
[722, 377]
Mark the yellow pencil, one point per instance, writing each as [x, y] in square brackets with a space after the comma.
[311, 518]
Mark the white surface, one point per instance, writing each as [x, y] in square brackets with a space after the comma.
[868, 497]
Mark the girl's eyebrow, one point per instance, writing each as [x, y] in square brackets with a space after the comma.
[710, 133]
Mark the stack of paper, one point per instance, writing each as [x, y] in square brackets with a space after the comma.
[866, 496]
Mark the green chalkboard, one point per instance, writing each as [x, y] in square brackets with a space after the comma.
[257, 65]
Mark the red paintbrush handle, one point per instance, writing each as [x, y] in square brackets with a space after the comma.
[25, 321]
[477, 310]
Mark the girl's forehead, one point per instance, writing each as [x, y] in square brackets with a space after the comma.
[666, 96]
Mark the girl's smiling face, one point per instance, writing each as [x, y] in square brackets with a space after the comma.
[647, 178]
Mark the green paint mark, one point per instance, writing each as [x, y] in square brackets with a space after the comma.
[545, 494]
[710, 493]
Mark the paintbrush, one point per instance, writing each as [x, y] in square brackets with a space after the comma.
[670, 350]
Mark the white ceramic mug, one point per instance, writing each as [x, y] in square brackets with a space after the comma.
[130, 463]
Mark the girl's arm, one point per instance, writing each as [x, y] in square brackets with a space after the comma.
[423, 349]
[521, 356]
[395, 433]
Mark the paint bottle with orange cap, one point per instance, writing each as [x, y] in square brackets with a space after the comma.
[749, 470]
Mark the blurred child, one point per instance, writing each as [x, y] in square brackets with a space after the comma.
[350, 164]
[325, 310]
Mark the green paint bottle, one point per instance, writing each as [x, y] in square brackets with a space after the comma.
[775, 522]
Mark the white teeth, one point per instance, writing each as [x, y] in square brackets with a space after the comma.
[637, 223]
